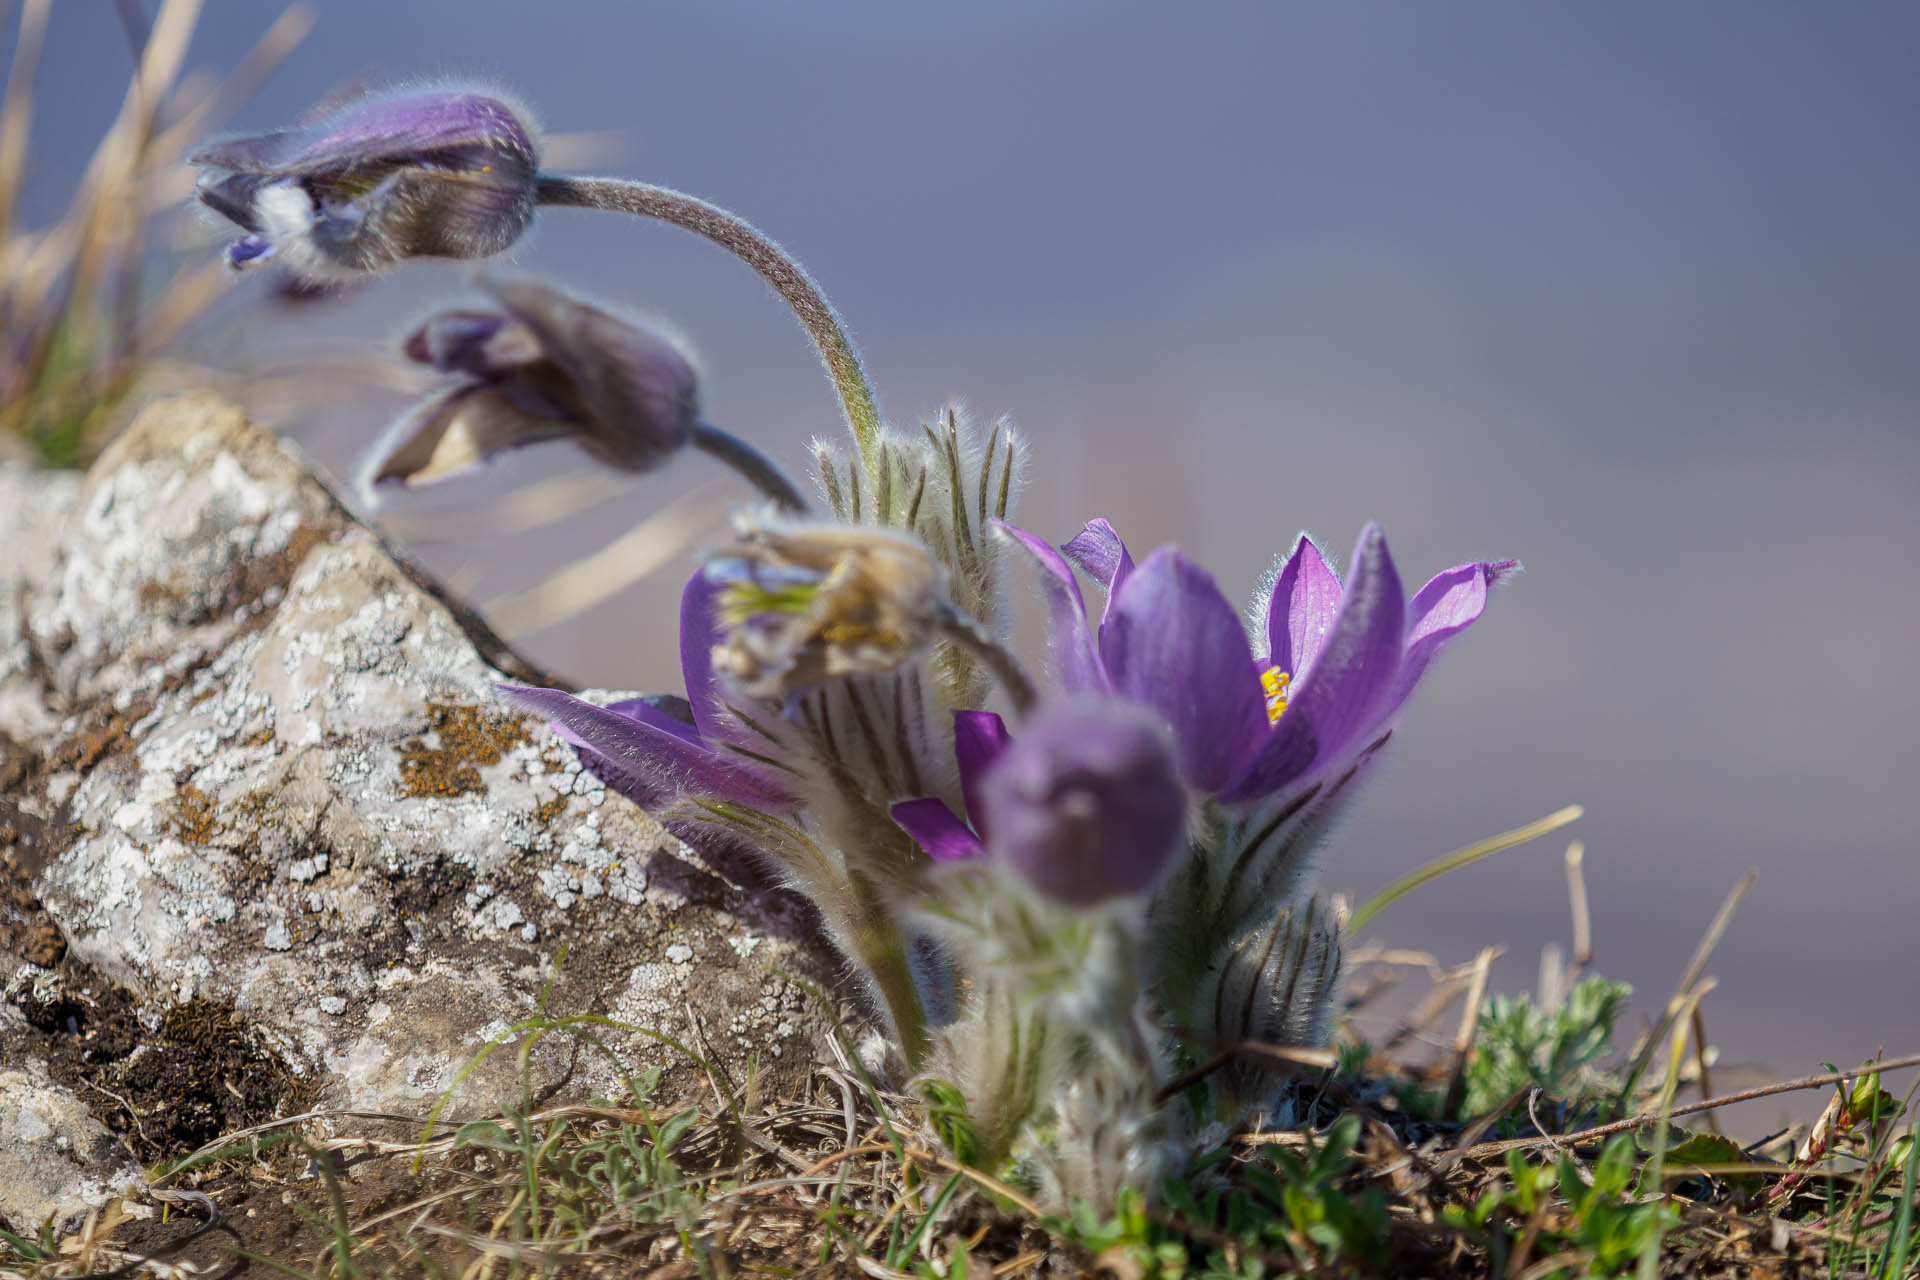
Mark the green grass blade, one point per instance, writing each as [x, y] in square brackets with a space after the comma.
[1454, 861]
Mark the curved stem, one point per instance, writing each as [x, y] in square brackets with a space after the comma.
[964, 630]
[775, 265]
[760, 470]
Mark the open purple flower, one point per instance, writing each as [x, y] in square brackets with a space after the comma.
[650, 755]
[445, 173]
[1086, 804]
[1340, 662]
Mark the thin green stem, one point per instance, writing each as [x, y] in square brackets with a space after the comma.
[775, 265]
[762, 472]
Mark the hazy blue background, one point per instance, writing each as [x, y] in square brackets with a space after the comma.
[1628, 291]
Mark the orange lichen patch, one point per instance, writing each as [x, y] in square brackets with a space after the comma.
[192, 819]
[446, 761]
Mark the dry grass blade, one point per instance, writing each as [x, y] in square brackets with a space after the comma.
[260, 62]
[1695, 967]
[1663, 1116]
[1463, 1036]
[1577, 905]
[16, 115]
[539, 504]
[599, 576]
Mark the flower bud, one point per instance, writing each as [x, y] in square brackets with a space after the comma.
[805, 603]
[545, 366]
[1086, 802]
[437, 174]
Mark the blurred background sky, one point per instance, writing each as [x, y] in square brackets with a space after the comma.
[1627, 291]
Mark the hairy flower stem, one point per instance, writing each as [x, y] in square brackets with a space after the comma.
[878, 944]
[762, 472]
[775, 265]
[965, 631]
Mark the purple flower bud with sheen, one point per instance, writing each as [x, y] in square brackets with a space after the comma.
[445, 173]
[1086, 803]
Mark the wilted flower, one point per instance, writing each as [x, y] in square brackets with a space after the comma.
[446, 173]
[1340, 661]
[805, 603]
[545, 366]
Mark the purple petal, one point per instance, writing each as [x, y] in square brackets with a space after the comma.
[645, 712]
[1301, 611]
[1078, 665]
[660, 760]
[384, 130]
[933, 826]
[1098, 550]
[978, 739]
[1174, 643]
[1351, 687]
[699, 632]
[1441, 610]
[766, 777]
[249, 251]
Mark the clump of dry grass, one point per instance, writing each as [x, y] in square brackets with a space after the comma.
[82, 315]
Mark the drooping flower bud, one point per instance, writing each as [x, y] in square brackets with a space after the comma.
[447, 173]
[804, 603]
[1086, 801]
[545, 366]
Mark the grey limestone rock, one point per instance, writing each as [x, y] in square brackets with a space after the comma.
[249, 762]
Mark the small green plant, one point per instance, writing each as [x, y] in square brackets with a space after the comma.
[1551, 1210]
[1280, 1211]
[625, 1174]
[1522, 1046]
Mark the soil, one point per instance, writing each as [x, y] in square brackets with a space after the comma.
[167, 1089]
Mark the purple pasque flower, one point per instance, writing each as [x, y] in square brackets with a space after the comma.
[1086, 804]
[1340, 659]
[542, 366]
[652, 756]
[441, 173]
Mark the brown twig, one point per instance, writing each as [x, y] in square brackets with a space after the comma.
[1725, 1099]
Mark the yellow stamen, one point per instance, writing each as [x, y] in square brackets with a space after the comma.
[1274, 682]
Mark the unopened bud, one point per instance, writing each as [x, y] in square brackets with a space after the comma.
[546, 366]
[1086, 801]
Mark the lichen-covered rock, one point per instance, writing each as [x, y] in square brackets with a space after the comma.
[255, 766]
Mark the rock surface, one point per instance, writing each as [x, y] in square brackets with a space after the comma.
[261, 821]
